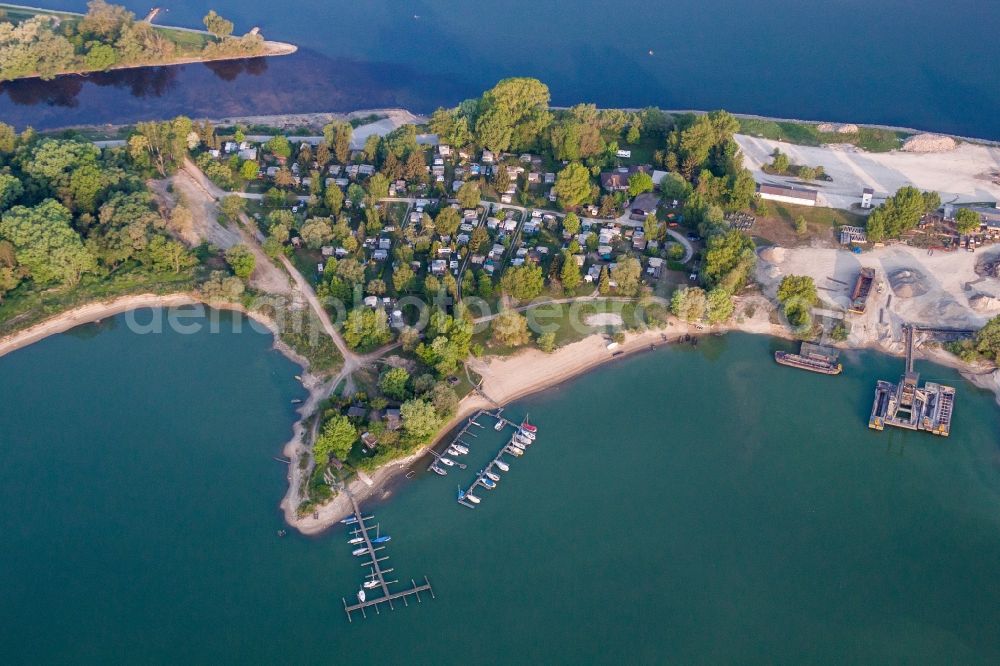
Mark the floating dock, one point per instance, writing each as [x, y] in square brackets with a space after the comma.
[909, 405]
[813, 358]
[379, 572]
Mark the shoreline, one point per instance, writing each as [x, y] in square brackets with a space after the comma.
[506, 379]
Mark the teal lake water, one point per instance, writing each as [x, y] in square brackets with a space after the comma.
[689, 505]
[929, 64]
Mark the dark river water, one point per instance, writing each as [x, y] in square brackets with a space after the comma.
[929, 64]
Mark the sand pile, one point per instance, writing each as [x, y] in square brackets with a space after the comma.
[908, 283]
[831, 128]
[982, 302]
[929, 143]
[774, 255]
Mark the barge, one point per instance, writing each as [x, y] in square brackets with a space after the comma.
[813, 358]
[862, 290]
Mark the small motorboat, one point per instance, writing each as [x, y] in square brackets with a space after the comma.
[358, 552]
[382, 539]
[446, 461]
[361, 596]
[472, 498]
[492, 475]
[521, 439]
[514, 450]
[502, 466]
[437, 470]
[350, 520]
[452, 451]
[370, 584]
[487, 483]
[462, 450]
[527, 433]
[499, 426]
[356, 540]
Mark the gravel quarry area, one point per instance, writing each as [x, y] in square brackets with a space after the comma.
[969, 172]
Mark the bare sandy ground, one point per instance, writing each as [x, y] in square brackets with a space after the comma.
[968, 173]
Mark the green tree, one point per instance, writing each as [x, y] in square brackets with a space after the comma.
[673, 186]
[523, 282]
[279, 146]
[797, 295]
[249, 170]
[316, 231]
[420, 420]
[639, 182]
[45, 243]
[231, 207]
[217, 25]
[653, 228]
[451, 127]
[547, 342]
[447, 221]
[573, 186]
[241, 260]
[899, 214]
[626, 274]
[402, 278]
[366, 328]
[604, 282]
[468, 195]
[780, 163]
[689, 303]
[720, 306]
[729, 260]
[334, 199]
[10, 190]
[393, 383]
[338, 137]
[967, 221]
[101, 57]
[571, 224]
[378, 187]
[800, 225]
[569, 274]
[513, 114]
[484, 285]
[510, 328]
[336, 439]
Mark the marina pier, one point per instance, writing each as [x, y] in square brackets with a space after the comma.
[378, 582]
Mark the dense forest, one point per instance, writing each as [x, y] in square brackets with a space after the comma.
[45, 45]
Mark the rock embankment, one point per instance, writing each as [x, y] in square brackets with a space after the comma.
[929, 143]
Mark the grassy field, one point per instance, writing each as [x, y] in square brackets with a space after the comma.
[806, 134]
[778, 227]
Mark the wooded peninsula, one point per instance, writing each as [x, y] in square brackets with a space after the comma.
[42, 43]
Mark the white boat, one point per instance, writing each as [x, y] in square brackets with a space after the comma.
[521, 439]
[472, 498]
[356, 540]
[462, 450]
[502, 466]
[514, 450]
[371, 584]
[437, 470]
[361, 596]
[499, 426]
[446, 461]
[452, 451]
[493, 475]
[489, 484]
[527, 433]
[358, 552]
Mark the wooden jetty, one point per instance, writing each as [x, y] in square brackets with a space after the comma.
[909, 405]
[378, 573]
